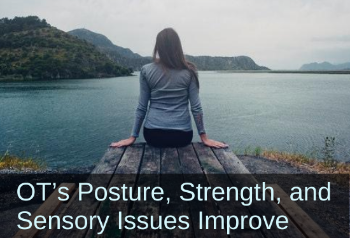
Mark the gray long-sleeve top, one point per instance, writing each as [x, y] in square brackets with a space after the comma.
[169, 92]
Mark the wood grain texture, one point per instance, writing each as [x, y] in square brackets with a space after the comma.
[131, 160]
[149, 177]
[126, 173]
[217, 177]
[171, 180]
[189, 161]
[100, 176]
[230, 162]
[240, 177]
[60, 214]
[109, 161]
[299, 217]
[207, 159]
[151, 160]
[193, 173]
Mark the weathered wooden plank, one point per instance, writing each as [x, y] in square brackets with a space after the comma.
[61, 214]
[100, 176]
[171, 180]
[151, 161]
[189, 161]
[217, 177]
[300, 218]
[48, 208]
[131, 160]
[240, 177]
[149, 177]
[126, 173]
[207, 159]
[230, 162]
[109, 161]
[170, 161]
[193, 173]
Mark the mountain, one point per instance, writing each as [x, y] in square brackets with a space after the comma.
[30, 48]
[120, 55]
[224, 63]
[128, 58]
[325, 66]
[103, 42]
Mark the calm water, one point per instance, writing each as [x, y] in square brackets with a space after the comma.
[72, 122]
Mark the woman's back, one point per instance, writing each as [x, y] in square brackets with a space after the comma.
[169, 88]
[169, 92]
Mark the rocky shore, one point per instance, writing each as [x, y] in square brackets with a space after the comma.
[261, 165]
[76, 170]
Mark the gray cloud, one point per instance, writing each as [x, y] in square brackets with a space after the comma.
[277, 33]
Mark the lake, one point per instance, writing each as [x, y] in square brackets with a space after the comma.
[71, 122]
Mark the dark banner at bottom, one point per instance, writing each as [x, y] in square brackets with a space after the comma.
[174, 205]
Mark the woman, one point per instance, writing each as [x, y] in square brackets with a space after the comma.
[169, 83]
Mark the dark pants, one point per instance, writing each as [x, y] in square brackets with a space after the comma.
[167, 138]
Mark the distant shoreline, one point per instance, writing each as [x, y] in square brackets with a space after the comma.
[285, 71]
[344, 72]
[16, 79]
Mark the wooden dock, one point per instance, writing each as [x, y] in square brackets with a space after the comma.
[140, 161]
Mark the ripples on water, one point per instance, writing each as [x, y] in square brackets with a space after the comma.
[72, 122]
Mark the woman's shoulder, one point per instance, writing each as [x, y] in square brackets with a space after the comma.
[149, 69]
[149, 66]
[157, 68]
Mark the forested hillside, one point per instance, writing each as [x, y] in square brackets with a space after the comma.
[32, 49]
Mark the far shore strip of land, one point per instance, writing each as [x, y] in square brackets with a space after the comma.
[286, 71]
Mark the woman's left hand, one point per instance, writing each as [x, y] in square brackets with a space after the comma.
[212, 143]
[125, 142]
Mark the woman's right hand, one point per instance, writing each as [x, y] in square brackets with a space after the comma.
[125, 142]
[212, 143]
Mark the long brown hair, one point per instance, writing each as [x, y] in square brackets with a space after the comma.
[169, 49]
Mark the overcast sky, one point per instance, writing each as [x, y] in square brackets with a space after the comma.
[280, 34]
